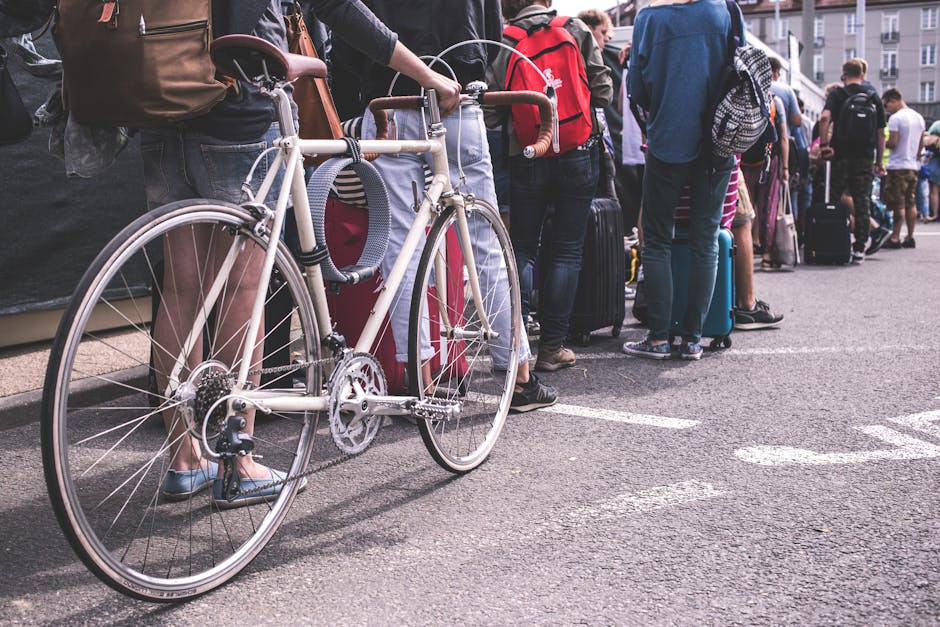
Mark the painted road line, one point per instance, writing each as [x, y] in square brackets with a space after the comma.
[621, 416]
[906, 447]
[784, 350]
[644, 501]
[922, 422]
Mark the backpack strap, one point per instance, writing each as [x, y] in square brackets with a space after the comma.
[515, 34]
[560, 21]
[736, 35]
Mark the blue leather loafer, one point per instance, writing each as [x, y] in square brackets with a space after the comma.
[179, 485]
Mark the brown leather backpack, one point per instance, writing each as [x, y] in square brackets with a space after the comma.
[137, 63]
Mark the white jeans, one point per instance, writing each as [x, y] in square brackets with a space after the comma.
[398, 171]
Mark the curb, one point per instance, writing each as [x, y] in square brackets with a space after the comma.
[20, 409]
[25, 408]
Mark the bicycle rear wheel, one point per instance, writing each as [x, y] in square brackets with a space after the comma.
[452, 363]
[109, 404]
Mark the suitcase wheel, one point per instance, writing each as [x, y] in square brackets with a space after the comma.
[720, 342]
[583, 338]
[615, 332]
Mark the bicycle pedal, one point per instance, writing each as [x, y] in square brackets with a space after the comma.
[437, 409]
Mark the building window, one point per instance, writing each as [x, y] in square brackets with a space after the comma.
[849, 54]
[927, 91]
[889, 65]
[889, 28]
[928, 18]
[928, 54]
[818, 26]
[783, 28]
[850, 24]
[818, 67]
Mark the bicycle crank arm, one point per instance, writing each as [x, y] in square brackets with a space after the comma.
[374, 405]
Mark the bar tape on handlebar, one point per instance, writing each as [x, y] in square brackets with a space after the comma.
[318, 190]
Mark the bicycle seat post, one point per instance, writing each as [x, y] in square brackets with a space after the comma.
[285, 116]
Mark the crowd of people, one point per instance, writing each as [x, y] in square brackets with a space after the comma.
[642, 104]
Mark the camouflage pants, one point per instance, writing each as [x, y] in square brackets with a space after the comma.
[854, 176]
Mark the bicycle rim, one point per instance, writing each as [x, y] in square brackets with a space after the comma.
[470, 373]
[106, 449]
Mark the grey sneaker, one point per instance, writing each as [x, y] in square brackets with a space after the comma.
[758, 318]
[858, 256]
[550, 360]
[533, 394]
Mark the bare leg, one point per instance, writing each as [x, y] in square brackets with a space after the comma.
[191, 260]
[910, 218]
[899, 219]
[744, 266]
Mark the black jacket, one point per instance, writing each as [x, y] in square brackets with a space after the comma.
[429, 26]
[246, 115]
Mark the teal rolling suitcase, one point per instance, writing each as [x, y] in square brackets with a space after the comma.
[720, 318]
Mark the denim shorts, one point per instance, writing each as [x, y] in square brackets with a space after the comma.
[181, 164]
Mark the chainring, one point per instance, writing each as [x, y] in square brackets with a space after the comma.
[355, 375]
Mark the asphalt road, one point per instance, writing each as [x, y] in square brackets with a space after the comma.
[792, 479]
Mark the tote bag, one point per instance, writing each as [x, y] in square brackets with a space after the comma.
[785, 249]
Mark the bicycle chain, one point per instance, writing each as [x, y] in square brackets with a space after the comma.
[306, 473]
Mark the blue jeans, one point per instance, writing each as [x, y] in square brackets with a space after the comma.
[179, 164]
[568, 182]
[398, 171]
[662, 183]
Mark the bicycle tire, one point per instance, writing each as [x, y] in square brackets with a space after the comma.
[464, 371]
[104, 463]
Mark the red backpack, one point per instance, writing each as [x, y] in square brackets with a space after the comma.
[556, 53]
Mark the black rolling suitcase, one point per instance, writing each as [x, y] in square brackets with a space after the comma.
[827, 238]
[600, 299]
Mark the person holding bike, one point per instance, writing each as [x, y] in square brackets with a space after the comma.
[208, 157]
[427, 29]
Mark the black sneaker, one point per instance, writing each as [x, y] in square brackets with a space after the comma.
[878, 239]
[909, 243]
[758, 318]
[533, 394]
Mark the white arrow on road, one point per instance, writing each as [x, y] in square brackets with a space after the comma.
[905, 447]
[922, 422]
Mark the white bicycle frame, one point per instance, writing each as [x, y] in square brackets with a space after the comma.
[291, 151]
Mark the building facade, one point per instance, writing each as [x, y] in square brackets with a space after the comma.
[901, 41]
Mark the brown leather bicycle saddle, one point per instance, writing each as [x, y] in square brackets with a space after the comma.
[257, 57]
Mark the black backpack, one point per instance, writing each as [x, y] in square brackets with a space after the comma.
[857, 122]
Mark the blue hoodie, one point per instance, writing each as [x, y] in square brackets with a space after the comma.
[675, 63]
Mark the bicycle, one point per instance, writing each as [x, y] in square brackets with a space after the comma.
[105, 459]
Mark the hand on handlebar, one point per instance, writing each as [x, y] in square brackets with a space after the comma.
[448, 91]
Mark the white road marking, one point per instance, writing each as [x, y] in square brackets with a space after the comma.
[906, 448]
[643, 501]
[922, 422]
[783, 350]
[622, 416]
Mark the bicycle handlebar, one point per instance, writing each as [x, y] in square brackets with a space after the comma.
[496, 98]
[546, 114]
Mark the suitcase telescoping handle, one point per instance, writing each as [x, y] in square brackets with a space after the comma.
[828, 175]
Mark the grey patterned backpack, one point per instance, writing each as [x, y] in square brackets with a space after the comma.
[741, 116]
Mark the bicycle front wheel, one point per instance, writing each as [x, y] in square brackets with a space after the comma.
[464, 350]
[122, 396]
